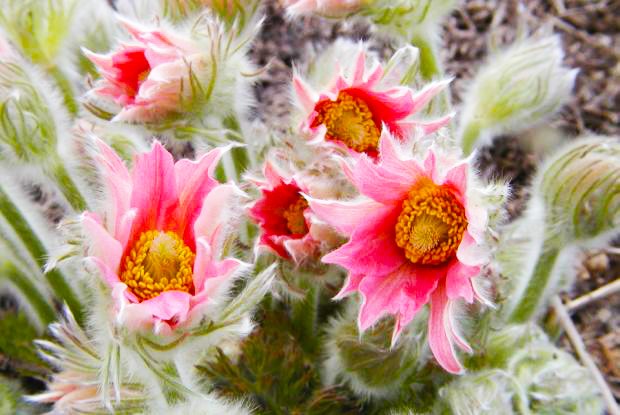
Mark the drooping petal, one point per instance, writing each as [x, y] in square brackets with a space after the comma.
[438, 332]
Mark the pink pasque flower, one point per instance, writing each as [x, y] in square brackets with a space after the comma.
[355, 109]
[328, 8]
[149, 75]
[157, 244]
[285, 219]
[415, 238]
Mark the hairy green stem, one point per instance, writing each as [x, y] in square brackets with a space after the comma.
[67, 186]
[429, 62]
[304, 315]
[65, 87]
[469, 137]
[536, 288]
[43, 309]
[37, 250]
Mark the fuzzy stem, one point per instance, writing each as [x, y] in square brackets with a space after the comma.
[469, 137]
[65, 88]
[43, 309]
[429, 63]
[67, 186]
[304, 317]
[37, 250]
[536, 288]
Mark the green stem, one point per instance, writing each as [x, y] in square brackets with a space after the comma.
[68, 187]
[470, 136]
[304, 315]
[65, 87]
[43, 309]
[37, 250]
[429, 63]
[536, 288]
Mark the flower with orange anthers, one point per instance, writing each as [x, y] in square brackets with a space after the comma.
[357, 107]
[416, 237]
[149, 75]
[285, 219]
[158, 242]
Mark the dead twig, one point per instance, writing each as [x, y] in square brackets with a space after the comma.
[582, 353]
[597, 294]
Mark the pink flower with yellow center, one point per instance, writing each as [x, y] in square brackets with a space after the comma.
[354, 111]
[157, 244]
[148, 75]
[284, 217]
[414, 239]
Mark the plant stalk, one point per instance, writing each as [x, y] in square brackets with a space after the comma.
[537, 287]
[67, 186]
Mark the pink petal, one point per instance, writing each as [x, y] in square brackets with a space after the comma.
[307, 97]
[194, 181]
[350, 285]
[118, 182]
[372, 250]
[154, 189]
[470, 252]
[458, 281]
[359, 68]
[438, 331]
[108, 275]
[457, 178]
[348, 215]
[427, 127]
[101, 244]
[216, 208]
[427, 93]
[169, 306]
[454, 334]
[382, 183]
[202, 263]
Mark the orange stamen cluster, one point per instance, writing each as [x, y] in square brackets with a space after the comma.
[158, 262]
[348, 119]
[294, 215]
[431, 224]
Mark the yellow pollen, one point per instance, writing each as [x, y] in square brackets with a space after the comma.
[348, 119]
[294, 215]
[158, 262]
[431, 224]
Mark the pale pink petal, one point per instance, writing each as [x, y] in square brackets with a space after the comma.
[457, 179]
[382, 184]
[101, 244]
[216, 209]
[470, 252]
[103, 62]
[194, 181]
[359, 68]
[427, 127]
[424, 96]
[438, 331]
[109, 276]
[202, 263]
[307, 97]
[169, 306]
[390, 160]
[154, 189]
[345, 216]
[458, 281]
[454, 334]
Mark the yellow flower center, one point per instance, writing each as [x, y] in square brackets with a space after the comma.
[158, 262]
[294, 215]
[431, 224]
[348, 119]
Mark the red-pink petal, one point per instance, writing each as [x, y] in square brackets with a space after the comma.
[154, 190]
[345, 216]
[351, 285]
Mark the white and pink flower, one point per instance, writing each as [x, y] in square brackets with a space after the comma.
[158, 241]
[416, 237]
[149, 75]
[356, 108]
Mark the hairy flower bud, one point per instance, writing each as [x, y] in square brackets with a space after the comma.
[516, 89]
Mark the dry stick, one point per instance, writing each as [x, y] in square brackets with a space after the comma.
[597, 294]
[584, 356]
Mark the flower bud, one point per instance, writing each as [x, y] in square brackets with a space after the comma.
[517, 88]
[367, 362]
